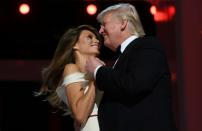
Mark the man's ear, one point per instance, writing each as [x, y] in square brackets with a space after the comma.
[124, 24]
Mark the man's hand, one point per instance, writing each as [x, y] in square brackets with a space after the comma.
[92, 63]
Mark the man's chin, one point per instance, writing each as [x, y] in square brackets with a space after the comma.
[106, 43]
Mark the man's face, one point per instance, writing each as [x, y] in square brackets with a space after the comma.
[110, 30]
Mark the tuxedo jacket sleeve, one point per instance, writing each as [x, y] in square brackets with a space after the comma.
[137, 72]
[137, 90]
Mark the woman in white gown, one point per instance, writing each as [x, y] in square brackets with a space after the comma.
[65, 81]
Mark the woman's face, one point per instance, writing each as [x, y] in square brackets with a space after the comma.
[87, 44]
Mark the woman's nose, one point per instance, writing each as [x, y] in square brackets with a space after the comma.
[96, 40]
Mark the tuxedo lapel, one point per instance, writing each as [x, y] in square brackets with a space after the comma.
[125, 53]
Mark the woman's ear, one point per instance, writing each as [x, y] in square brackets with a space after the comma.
[75, 47]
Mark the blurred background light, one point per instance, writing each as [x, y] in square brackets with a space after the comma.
[91, 9]
[24, 8]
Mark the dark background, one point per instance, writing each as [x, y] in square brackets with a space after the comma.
[27, 44]
[35, 36]
[32, 39]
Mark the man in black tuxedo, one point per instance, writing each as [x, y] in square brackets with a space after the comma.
[137, 94]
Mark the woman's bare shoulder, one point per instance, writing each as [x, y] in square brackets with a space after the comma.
[70, 69]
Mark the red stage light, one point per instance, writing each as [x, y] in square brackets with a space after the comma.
[24, 8]
[171, 10]
[164, 14]
[91, 9]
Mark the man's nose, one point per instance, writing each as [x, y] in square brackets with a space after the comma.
[101, 29]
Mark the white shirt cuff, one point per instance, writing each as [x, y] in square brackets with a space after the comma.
[96, 69]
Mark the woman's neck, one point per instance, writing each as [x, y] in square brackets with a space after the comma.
[81, 62]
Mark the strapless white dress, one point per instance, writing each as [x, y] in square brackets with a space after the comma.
[92, 122]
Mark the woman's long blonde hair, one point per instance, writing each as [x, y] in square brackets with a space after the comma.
[64, 54]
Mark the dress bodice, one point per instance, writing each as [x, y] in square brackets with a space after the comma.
[72, 78]
[92, 122]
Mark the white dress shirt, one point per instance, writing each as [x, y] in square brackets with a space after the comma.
[123, 47]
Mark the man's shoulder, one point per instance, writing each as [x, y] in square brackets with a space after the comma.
[147, 42]
[147, 39]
